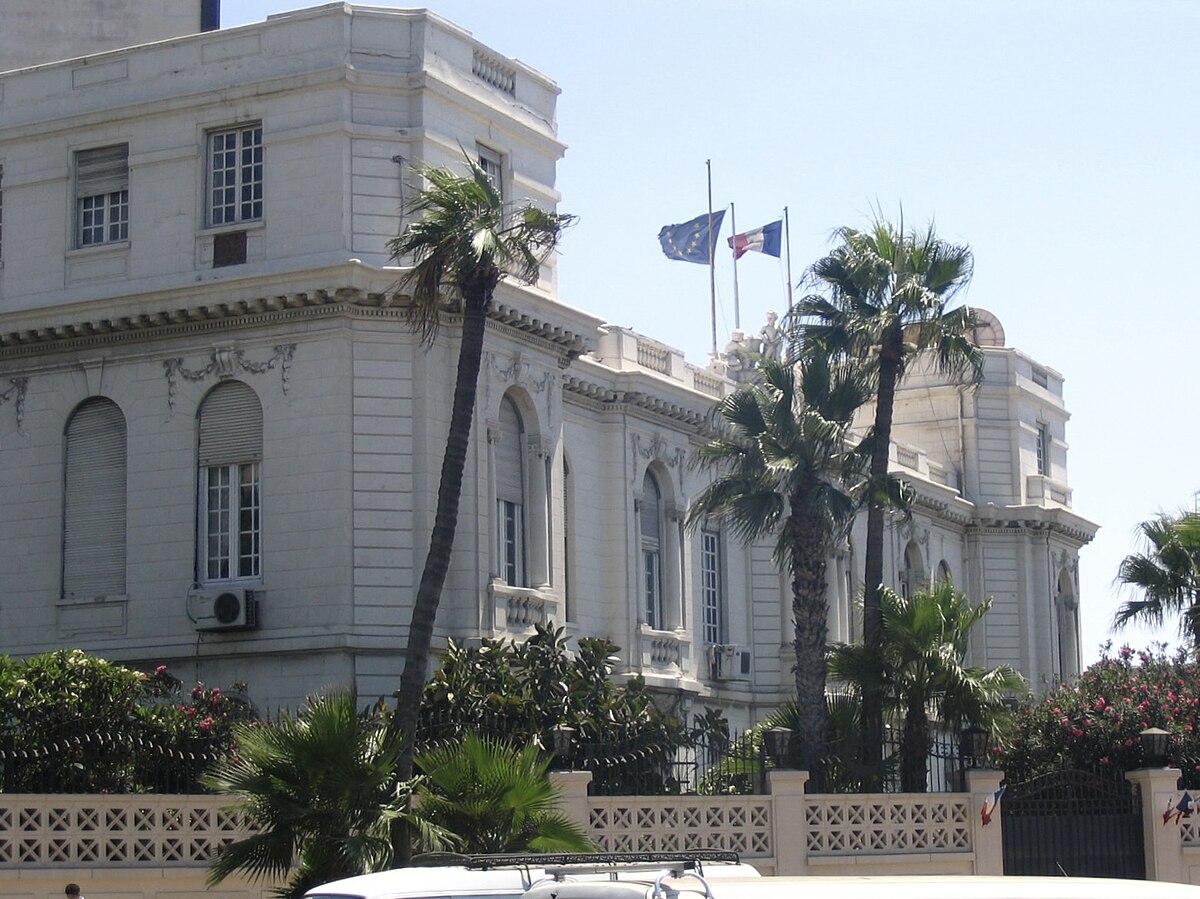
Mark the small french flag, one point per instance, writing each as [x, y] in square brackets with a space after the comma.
[767, 239]
[987, 811]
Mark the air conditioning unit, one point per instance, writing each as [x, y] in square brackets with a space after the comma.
[230, 609]
[727, 662]
[743, 663]
[722, 660]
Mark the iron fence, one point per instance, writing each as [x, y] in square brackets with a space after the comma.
[104, 763]
[666, 761]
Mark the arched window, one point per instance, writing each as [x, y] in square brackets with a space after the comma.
[651, 521]
[94, 499]
[510, 495]
[943, 573]
[913, 577]
[229, 460]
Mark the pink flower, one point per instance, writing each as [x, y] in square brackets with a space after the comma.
[161, 669]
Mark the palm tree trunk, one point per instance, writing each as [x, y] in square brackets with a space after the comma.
[441, 542]
[891, 354]
[810, 613]
[915, 749]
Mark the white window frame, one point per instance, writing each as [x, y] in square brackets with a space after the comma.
[234, 175]
[1042, 449]
[492, 163]
[511, 491]
[510, 528]
[712, 596]
[231, 522]
[101, 196]
[652, 561]
[229, 486]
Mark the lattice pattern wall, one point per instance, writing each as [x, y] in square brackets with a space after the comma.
[888, 824]
[115, 831]
[672, 823]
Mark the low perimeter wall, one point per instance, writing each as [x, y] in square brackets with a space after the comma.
[138, 847]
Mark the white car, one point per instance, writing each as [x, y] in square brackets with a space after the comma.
[511, 876]
[870, 887]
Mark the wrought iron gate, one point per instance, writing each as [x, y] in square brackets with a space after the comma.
[1073, 823]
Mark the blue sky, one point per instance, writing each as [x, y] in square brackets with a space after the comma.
[1060, 140]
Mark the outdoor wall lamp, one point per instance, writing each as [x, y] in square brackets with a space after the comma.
[1155, 741]
[973, 746]
[564, 741]
[777, 740]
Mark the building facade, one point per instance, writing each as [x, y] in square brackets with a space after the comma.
[220, 439]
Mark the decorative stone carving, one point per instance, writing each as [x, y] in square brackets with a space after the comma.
[227, 363]
[16, 393]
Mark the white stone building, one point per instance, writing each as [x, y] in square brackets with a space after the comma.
[220, 440]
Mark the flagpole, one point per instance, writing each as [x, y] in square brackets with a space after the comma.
[712, 268]
[787, 229]
[737, 305]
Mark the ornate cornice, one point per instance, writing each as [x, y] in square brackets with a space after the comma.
[608, 399]
[170, 320]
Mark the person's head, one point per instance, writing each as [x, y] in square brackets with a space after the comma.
[72, 889]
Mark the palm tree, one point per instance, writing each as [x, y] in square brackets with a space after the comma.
[1167, 575]
[882, 298]
[784, 467]
[321, 791]
[464, 241]
[494, 798]
[920, 671]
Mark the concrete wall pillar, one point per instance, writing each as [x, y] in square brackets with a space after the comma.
[789, 828]
[1164, 852]
[988, 840]
[573, 790]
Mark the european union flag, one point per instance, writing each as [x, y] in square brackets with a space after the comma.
[692, 241]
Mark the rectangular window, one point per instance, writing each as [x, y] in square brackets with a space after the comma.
[235, 175]
[1043, 449]
[710, 586]
[512, 564]
[232, 521]
[102, 196]
[490, 162]
[1, 213]
[652, 569]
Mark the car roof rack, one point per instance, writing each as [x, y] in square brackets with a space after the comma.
[592, 860]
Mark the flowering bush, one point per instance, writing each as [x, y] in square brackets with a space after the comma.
[74, 722]
[1094, 722]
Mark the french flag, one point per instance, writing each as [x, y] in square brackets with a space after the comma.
[767, 239]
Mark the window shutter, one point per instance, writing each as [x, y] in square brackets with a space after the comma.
[94, 501]
[651, 503]
[231, 427]
[101, 171]
[510, 483]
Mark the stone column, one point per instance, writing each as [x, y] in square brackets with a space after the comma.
[988, 840]
[672, 566]
[1164, 852]
[789, 829]
[535, 472]
[493, 437]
